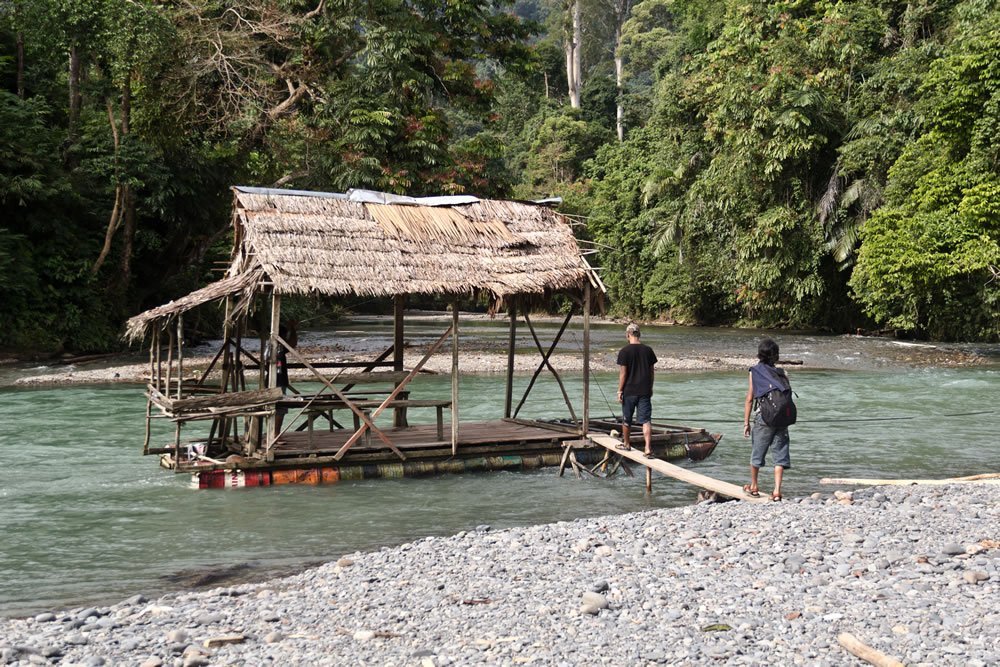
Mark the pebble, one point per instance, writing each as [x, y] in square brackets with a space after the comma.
[716, 583]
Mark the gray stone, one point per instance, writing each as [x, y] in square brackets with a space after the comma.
[953, 549]
[152, 661]
[177, 636]
[87, 613]
[595, 599]
[208, 619]
[45, 617]
[599, 586]
[273, 637]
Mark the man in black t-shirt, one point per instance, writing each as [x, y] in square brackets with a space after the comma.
[635, 387]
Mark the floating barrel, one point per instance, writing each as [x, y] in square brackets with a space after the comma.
[230, 479]
[320, 475]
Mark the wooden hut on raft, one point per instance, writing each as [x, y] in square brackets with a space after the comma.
[366, 244]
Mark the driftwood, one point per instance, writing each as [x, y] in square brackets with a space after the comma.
[865, 652]
[986, 478]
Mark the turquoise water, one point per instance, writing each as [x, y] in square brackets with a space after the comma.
[86, 518]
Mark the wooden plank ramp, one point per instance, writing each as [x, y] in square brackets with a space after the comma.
[670, 470]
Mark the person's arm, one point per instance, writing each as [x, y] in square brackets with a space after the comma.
[622, 375]
[747, 404]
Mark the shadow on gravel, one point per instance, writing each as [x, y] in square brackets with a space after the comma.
[231, 575]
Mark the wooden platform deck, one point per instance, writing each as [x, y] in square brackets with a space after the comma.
[420, 438]
[544, 441]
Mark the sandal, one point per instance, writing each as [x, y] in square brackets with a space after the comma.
[649, 455]
[750, 491]
[776, 497]
[623, 447]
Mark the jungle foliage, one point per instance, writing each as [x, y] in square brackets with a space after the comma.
[794, 163]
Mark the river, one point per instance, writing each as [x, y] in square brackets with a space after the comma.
[86, 519]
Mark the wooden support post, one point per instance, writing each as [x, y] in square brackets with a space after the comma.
[158, 383]
[649, 480]
[399, 416]
[180, 354]
[149, 396]
[454, 377]
[575, 464]
[585, 425]
[170, 360]
[511, 340]
[567, 448]
[272, 378]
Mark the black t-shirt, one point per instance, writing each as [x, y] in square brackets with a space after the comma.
[638, 360]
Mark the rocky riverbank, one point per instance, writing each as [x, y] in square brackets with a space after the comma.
[912, 571]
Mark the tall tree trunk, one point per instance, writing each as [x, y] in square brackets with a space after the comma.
[573, 54]
[20, 64]
[75, 101]
[620, 110]
[128, 196]
[577, 53]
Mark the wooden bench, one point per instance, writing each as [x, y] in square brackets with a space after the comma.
[321, 406]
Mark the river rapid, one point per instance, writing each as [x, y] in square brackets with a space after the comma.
[86, 519]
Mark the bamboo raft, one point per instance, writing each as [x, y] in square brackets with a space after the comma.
[504, 444]
[251, 431]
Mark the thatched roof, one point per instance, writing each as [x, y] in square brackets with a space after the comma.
[341, 246]
[371, 244]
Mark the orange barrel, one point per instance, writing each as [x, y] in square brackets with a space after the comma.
[256, 478]
[310, 476]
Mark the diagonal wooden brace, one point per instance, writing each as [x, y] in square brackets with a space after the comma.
[336, 392]
[395, 392]
[545, 362]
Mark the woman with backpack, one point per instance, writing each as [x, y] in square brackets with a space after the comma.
[769, 402]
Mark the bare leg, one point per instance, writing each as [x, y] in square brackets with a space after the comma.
[647, 434]
[753, 479]
[626, 435]
[778, 473]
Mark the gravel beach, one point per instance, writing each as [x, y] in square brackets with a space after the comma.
[913, 572]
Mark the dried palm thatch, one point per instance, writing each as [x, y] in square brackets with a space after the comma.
[339, 245]
[336, 247]
[238, 285]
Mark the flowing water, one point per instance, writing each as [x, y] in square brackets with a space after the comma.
[84, 518]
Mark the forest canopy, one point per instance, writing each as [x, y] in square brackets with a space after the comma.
[830, 165]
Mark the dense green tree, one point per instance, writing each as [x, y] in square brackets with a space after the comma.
[930, 255]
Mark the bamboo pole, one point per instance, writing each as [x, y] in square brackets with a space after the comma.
[911, 482]
[585, 426]
[511, 340]
[159, 362]
[454, 377]
[855, 647]
[170, 360]
[272, 382]
[180, 354]
[149, 397]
